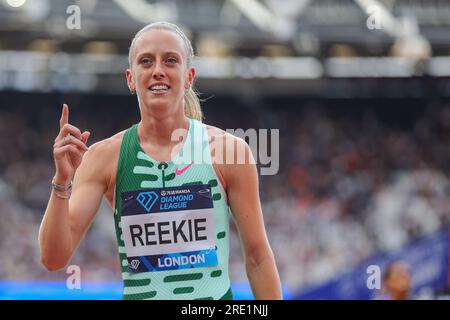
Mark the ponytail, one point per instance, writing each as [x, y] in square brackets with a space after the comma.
[192, 107]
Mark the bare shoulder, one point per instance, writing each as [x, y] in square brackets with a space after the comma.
[231, 155]
[105, 149]
[219, 135]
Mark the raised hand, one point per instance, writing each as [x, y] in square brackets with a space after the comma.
[69, 148]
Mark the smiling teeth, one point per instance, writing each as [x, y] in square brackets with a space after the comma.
[159, 87]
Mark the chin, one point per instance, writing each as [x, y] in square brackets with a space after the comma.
[157, 102]
[159, 109]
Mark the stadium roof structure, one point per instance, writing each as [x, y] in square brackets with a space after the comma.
[278, 41]
[246, 25]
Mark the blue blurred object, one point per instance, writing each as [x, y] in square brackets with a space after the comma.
[57, 290]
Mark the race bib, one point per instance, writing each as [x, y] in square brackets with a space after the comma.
[169, 228]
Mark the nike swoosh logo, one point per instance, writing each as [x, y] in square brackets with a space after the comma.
[178, 172]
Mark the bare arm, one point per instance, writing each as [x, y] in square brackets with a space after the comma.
[66, 221]
[243, 195]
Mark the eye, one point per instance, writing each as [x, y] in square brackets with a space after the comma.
[145, 61]
[171, 60]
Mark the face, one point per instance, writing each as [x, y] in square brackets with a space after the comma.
[399, 279]
[159, 73]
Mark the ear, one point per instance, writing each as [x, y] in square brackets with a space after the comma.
[130, 81]
[189, 78]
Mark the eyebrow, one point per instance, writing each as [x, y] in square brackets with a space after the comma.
[164, 54]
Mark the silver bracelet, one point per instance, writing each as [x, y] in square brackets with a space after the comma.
[62, 187]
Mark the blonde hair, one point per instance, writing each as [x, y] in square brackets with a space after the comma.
[192, 108]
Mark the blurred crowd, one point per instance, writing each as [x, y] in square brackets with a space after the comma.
[350, 184]
[354, 186]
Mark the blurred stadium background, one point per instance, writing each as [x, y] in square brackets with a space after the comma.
[360, 90]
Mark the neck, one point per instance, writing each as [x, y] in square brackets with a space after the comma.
[159, 131]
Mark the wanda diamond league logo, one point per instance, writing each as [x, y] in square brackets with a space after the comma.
[147, 199]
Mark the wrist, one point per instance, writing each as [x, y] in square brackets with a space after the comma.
[63, 181]
[62, 191]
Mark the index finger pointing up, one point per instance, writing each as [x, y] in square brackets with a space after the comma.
[64, 116]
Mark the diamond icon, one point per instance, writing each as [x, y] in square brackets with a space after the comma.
[134, 264]
[147, 200]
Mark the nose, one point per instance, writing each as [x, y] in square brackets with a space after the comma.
[158, 71]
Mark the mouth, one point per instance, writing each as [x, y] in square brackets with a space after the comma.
[159, 89]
